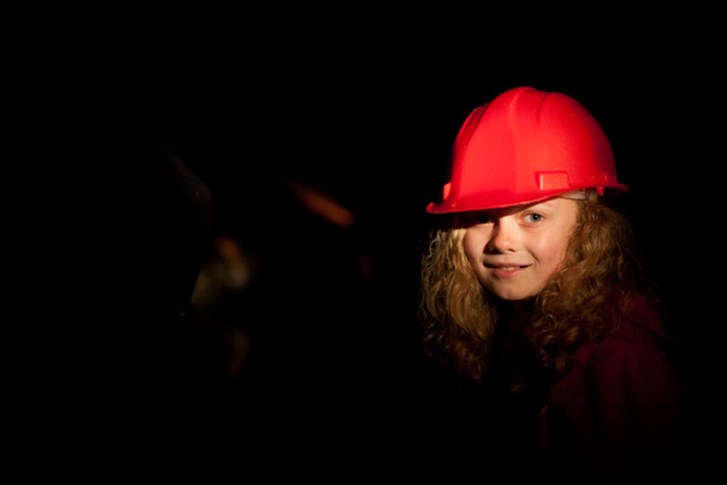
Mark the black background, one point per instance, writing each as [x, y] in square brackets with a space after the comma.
[365, 107]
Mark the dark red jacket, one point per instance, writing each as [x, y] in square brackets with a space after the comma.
[615, 412]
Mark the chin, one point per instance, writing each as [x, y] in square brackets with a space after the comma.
[512, 295]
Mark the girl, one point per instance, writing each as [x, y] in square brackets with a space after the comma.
[531, 288]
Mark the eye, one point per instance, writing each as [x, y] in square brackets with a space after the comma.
[482, 218]
[470, 219]
[533, 217]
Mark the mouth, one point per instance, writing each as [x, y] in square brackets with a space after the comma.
[506, 267]
[506, 271]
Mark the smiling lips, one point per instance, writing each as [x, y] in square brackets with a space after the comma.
[505, 270]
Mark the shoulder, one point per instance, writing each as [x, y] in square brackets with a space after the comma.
[639, 352]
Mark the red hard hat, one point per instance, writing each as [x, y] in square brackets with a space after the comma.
[523, 147]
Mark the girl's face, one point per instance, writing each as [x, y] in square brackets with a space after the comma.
[515, 250]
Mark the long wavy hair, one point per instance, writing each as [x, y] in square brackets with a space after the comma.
[584, 301]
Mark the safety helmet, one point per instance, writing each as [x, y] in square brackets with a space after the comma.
[525, 146]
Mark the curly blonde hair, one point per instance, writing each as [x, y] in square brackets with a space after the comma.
[584, 301]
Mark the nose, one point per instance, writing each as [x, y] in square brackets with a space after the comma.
[505, 236]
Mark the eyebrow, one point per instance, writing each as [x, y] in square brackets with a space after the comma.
[546, 204]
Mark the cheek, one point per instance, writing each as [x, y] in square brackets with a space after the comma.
[551, 252]
[474, 245]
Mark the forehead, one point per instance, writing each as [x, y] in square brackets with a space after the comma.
[549, 205]
[555, 207]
